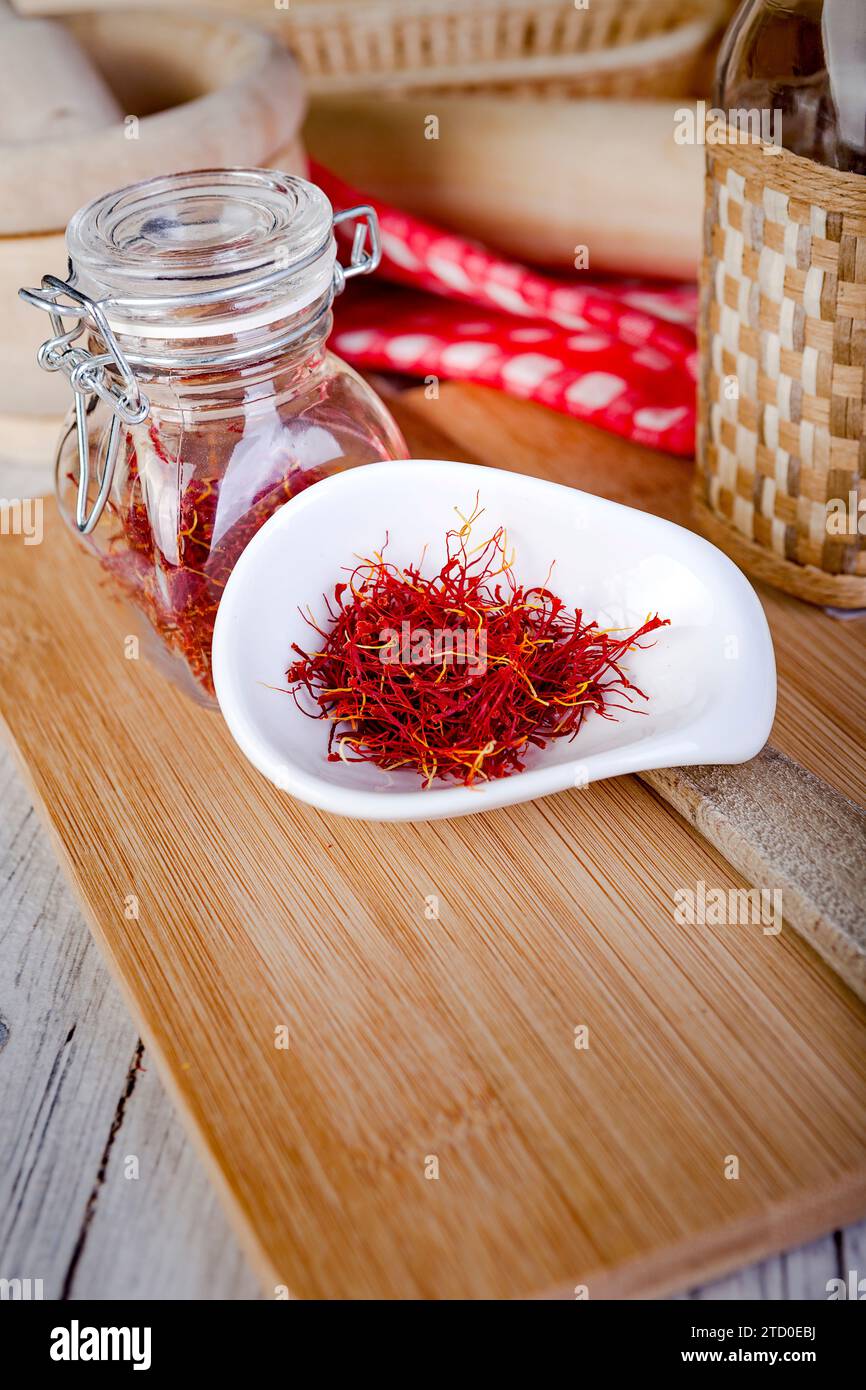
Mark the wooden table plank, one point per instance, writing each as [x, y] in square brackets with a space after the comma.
[803, 1274]
[50, 1063]
[160, 1234]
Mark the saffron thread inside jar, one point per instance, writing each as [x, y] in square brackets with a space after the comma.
[178, 588]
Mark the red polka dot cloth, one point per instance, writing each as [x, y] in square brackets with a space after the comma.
[619, 353]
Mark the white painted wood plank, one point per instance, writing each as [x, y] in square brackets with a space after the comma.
[799, 1274]
[174, 1240]
[65, 1032]
[852, 1259]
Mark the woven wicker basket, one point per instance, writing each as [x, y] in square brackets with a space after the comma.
[640, 48]
[614, 47]
[782, 422]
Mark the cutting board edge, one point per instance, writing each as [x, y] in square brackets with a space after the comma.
[782, 1227]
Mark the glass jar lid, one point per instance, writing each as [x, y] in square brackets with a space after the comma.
[177, 256]
[195, 271]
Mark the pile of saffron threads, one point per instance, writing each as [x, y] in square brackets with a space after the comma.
[397, 698]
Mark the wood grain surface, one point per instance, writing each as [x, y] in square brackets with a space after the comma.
[71, 1211]
[81, 1101]
[416, 1036]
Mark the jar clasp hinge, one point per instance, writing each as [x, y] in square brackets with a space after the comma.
[361, 261]
[87, 371]
[87, 376]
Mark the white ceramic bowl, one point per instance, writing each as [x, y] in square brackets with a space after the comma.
[710, 676]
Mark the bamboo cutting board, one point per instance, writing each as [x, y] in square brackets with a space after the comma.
[432, 1130]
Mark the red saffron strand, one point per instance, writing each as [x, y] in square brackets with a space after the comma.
[528, 669]
[178, 582]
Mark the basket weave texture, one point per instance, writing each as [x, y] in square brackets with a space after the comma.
[782, 415]
[433, 45]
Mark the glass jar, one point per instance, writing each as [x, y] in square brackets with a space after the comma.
[204, 395]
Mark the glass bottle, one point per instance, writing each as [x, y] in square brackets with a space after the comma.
[205, 396]
[806, 60]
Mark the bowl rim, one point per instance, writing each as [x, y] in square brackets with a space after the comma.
[744, 734]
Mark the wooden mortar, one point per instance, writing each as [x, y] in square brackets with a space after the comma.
[196, 91]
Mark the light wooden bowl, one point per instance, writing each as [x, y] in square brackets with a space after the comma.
[206, 90]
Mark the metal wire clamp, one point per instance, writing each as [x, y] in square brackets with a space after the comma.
[109, 374]
[87, 375]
